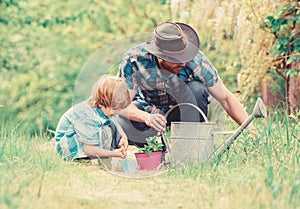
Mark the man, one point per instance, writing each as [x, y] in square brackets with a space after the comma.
[168, 70]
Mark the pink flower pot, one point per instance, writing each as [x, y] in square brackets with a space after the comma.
[146, 162]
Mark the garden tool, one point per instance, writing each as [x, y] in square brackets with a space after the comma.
[193, 141]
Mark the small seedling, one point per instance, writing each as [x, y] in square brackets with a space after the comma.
[152, 146]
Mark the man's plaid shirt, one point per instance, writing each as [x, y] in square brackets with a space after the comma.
[156, 89]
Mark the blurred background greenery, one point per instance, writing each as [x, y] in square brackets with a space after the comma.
[45, 44]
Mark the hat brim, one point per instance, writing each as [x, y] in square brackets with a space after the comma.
[186, 56]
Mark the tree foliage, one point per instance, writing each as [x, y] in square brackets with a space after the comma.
[285, 26]
[235, 40]
[45, 43]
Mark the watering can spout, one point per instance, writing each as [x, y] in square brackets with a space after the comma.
[259, 110]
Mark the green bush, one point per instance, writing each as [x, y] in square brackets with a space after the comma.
[48, 42]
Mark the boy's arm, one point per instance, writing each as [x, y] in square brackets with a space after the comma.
[96, 151]
[123, 144]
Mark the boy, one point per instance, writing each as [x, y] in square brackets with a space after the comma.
[86, 130]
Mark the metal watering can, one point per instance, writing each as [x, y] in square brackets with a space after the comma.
[193, 142]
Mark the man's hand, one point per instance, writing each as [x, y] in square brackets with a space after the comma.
[156, 121]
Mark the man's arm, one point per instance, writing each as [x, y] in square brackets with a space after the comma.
[156, 121]
[229, 102]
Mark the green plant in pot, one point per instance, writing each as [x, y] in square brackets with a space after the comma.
[152, 146]
[149, 157]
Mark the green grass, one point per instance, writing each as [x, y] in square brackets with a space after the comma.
[260, 174]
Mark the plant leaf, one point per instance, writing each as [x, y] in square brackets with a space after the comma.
[292, 59]
[292, 72]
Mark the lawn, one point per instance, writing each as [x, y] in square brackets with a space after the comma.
[260, 174]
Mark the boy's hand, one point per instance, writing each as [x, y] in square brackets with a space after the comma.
[123, 144]
[120, 153]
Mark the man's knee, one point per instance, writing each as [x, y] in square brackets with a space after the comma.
[198, 89]
[201, 95]
[137, 132]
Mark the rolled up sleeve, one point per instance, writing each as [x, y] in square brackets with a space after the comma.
[88, 131]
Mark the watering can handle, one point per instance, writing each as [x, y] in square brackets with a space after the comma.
[189, 104]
